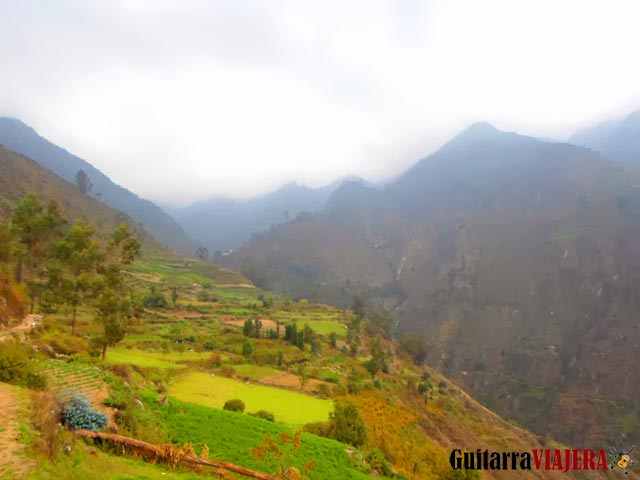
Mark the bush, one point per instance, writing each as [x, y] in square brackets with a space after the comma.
[235, 405]
[78, 414]
[264, 415]
[16, 366]
[155, 299]
[377, 461]
[346, 424]
[318, 428]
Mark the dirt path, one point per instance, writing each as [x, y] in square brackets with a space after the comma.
[23, 326]
[13, 462]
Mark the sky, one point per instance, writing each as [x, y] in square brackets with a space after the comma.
[185, 100]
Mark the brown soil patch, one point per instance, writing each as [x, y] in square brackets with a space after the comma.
[266, 323]
[13, 462]
[292, 382]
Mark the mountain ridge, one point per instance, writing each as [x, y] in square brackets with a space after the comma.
[503, 253]
[18, 136]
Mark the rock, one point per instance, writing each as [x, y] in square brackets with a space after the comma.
[163, 400]
[139, 403]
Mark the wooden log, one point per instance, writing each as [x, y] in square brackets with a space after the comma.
[150, 447]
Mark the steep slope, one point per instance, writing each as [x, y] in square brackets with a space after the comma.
[516, 258]
[618, 140]
[21, 138]
[20, 175]
[223, 223]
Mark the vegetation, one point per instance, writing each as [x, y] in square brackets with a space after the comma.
[235, 379]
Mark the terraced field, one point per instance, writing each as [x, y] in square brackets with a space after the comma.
[65, 378]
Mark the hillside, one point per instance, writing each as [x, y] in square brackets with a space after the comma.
[20, 175]
[194, 354]
[618, 140]
[223, 224]
[514, 257]
[21, 138]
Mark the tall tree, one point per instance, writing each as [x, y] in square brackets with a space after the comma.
[83, 182]
[72, 277]
[114, 305]
[36, 227]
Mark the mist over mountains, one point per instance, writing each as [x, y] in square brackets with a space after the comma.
[618, 140]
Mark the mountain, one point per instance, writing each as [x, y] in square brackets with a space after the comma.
[223, 223]
[23, 139]
[618, 140]
[20, 175]
[516, 258]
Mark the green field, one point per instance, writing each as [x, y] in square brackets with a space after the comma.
[119, 356]
[231, 437]
[212, 391]
[325, 327]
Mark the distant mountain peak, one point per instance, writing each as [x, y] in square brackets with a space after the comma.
[481, 132]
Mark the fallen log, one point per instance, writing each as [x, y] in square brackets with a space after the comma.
[158, 451]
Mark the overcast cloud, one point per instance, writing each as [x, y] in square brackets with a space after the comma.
[184, 100]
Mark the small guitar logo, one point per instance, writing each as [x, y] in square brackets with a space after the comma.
[622, 459]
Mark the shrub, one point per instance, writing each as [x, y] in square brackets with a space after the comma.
[318, 428]
[235, 405]
[16, 366]
[155, 299]
[346, 424]
[78, 414]
[377, 461]
[264, 415]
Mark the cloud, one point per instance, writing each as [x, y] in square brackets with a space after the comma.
[181, 101]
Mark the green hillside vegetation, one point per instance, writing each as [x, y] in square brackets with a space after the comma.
[148, 332]
[515, 258]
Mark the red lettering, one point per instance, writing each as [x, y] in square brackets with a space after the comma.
[537, 458]
[602, 460]
[557, 460]
[589, 455]
[576, 465]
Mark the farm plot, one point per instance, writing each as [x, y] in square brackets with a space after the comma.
[288, 407]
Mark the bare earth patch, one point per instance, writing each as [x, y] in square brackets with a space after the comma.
[291, 381]
[267, 324]
[13, 462]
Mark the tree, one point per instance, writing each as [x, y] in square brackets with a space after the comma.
[202, 253]
[247, 328]
[247, 348]
[83, 182]
[35, 227]
[114, 305]
[257, 326]
[346, 424]
[415, 346]
[174, 296]
[73, 270]
[378, 361]
[358, 306]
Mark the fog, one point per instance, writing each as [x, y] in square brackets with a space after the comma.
[181, 101]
